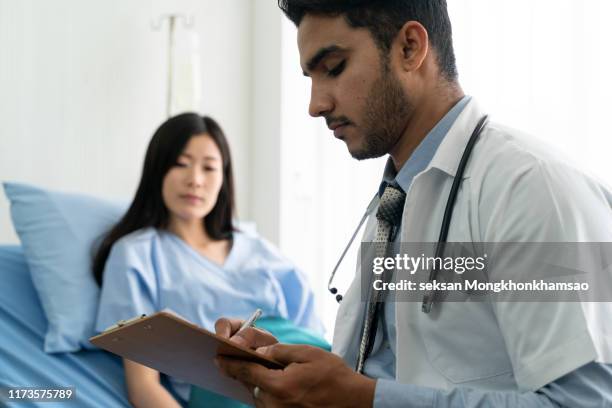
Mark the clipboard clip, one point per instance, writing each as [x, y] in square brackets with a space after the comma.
[122, 323]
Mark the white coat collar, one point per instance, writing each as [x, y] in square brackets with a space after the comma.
[449, 152]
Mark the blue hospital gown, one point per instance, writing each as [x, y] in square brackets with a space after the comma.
[150, 270]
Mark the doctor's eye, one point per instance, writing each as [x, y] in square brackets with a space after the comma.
[337, 70]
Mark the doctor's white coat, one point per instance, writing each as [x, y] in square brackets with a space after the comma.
[513, 190]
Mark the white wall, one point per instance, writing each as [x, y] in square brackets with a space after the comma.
[82, 89]
[265, 149]
[541, 66]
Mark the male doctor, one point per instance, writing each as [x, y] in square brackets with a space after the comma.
[384, 79]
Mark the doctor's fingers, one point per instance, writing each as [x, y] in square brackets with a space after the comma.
[275, 386]
[251, 337]
[263, 399]
[289, 387]
[288, 353]
[250, 374]
[266, 400]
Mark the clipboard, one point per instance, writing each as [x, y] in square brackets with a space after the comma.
[179, 348]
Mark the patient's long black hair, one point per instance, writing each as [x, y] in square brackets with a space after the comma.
[148, 208]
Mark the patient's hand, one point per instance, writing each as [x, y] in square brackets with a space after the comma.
[144, 388]
[250, 337]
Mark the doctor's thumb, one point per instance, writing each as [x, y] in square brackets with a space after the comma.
[223, 327]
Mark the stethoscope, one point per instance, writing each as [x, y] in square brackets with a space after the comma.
[428, 299]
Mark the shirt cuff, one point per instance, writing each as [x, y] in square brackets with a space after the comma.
[391, 394]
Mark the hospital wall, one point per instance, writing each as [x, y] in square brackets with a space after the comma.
[83, 87]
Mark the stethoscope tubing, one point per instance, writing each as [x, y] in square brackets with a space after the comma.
[428, 299]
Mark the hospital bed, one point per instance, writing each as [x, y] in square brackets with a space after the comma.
[96, 376]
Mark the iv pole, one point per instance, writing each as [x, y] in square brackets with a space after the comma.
[188, 22]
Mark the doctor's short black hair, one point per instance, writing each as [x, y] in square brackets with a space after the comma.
[384, 18]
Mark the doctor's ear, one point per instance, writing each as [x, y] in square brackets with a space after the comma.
[413, 41]
[407, 51]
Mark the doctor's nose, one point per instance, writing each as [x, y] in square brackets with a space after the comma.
[320, 103]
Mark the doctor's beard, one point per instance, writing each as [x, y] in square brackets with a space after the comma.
[386, 112]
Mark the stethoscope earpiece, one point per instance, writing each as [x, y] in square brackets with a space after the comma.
[338, 296]
[371, 206]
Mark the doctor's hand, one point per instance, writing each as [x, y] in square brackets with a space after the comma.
[250, 337]
[312, 378]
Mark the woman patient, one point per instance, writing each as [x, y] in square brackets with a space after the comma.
[177, 248]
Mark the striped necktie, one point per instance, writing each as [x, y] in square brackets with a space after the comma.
[389, 219]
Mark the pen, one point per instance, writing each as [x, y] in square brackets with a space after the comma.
[250, 321]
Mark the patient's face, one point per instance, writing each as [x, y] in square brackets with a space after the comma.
[191, 187]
